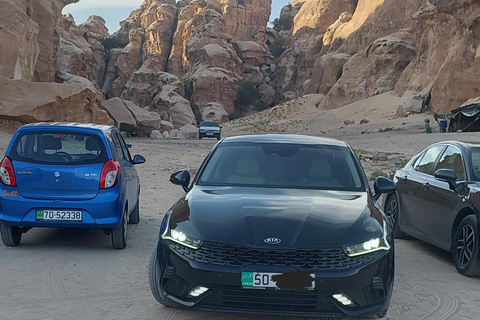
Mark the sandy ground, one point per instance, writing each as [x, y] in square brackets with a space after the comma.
[65, 274]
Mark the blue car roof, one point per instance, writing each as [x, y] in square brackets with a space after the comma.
[63, 125]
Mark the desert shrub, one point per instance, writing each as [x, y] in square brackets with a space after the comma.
[235, 115]
[277, 47]
[283, 23]
[339, 73]
[247, 95]
[110, 43]
[377, 174]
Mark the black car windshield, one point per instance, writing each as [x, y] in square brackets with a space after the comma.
[59, 148]
[475, 163]
[283, 165]
[209, 124]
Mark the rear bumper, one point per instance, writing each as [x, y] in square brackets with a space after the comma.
[102, 212]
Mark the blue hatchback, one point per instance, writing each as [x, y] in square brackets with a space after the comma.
[68, 175]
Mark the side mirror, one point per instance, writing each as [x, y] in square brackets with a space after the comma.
[449, 176]
[383, 186]
[138, 159]
[181, 178]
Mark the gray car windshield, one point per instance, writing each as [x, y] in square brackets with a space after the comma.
[283, 165]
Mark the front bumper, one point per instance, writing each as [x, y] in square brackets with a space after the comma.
[103, 212]
[369, 285]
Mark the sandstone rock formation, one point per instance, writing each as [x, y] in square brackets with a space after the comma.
[448, 45]
[374, 71]
[319, 15]
[128, 117]
[26, 102]
[19, 47]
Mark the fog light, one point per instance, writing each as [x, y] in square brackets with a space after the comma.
[198, 291]
[343, 299]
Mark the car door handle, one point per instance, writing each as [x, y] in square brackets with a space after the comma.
[426, 185]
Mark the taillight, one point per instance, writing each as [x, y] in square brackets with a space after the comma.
[109, 175]
[6, 173]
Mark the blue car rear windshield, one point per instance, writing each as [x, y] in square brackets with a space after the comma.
[58, 148]
[284, 165]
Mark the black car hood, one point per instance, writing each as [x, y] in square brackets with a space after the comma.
[299, 218]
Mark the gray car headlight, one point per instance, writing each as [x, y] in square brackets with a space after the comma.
[369, 246]
[182, 238]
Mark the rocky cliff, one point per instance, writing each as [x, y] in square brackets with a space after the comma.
[174, 63]
[414, 47]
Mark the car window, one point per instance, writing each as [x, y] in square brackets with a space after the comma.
[452, 159]
[59, 147]
[283, 165]
[475, 158]
[426, 162]
[119, 153]
[123, 145]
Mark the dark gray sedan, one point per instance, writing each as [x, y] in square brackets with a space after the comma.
[437, 201]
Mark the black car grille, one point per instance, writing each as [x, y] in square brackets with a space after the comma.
[277, 301]
[233, 256]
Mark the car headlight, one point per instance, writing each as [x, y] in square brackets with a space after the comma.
[182, 238]
[369, 246]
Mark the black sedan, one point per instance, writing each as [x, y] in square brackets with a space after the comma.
[437, 201]
[277, 224]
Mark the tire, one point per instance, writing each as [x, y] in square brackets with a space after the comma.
[119, 235]
[155, 273]
[11, 236]
[134, 217]
[392, 211]
[465, 247]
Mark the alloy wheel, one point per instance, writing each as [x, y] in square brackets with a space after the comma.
[465, 245]
[391, 209]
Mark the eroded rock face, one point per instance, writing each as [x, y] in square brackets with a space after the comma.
[129, 117]
[214, 112]
[374, 71]
[173, 107]
[319, 15]
[448, 54]
[19, 47]
[26, 102]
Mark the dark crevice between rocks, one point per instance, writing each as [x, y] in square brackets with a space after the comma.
[166, 67]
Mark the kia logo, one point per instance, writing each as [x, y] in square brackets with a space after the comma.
[272, 241]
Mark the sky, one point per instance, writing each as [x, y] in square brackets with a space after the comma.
[114, 11]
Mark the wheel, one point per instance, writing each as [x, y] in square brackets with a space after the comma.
[11, 236]
[119, 235]
[392, 210]
[155, 274]
[465, 250]
[134, 217]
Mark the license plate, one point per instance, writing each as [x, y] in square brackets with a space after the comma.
[59, 215]
[209, 133]
[262, 280]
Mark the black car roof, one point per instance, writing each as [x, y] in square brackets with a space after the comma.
[285, 138]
